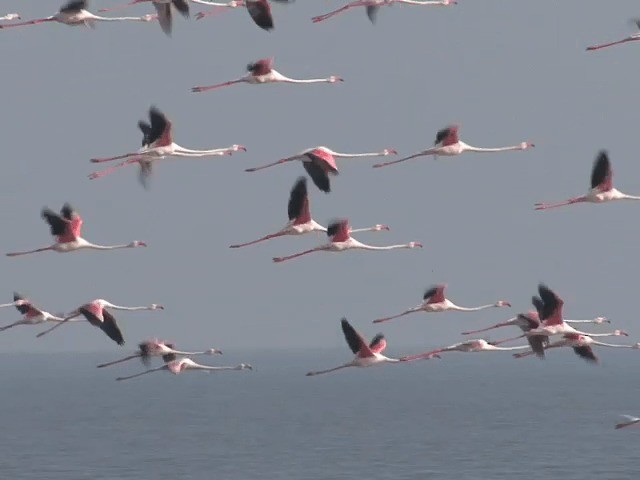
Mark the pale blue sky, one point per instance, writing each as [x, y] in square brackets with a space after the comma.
[507, 71]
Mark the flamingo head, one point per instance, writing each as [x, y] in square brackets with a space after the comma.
[137, 243]
[334, 79]
[618, 333]
[450, 2]
[149, 17]
[502, 303]
[414, 245]
[214, 351]
[599, 320]
[636, 346]
[525, 145]
[12, 16]
[244, 366]
[389, 151]
[237, 148]
[155, 306]
[379, 227]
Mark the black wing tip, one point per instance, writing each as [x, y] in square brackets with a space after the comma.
[333, 227]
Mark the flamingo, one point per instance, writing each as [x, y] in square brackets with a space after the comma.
[217, 7]
[158, 348]
[374, 5]
[549, 306]
[477, 345]
[300, 221]
[66, 229]
[163, 7]
[178, 366]
[632, 38]
[341, 240]
[260, 72]
[366, 354]
[435, 301]
[74, 13]
[96, 313]
[601, 186]
[11, 16]
[447, 144]
[581, 345]
[521, 320]
[320, 161]
[628, 422]
[158, 143]
[32, 314]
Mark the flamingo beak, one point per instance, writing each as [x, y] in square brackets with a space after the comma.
[241, 147]
[392, 151]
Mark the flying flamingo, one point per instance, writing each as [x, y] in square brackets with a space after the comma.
[320, 161]
[158, 143]
[374, 5]
[477, 345]
[447, 144]
[32, 314]
[520, 320]
[631, 38]
[581, 345]
[366, 354]
[163, 7]
[549, 306]
[601, 186]
[11, 16]
[260, 71]
[338, 231]
[300, 221]
[66, 229]
[178, 366]
[74, 13]
[434, 300]
[96, 313]
[630, 421]
[158, 348]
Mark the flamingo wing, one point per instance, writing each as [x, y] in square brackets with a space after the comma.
[260, 12]
[528, 321]
[319, 176]
[26, 308]
[601, 174]
[356, 342]
[372, 12]
[161, 127]
[164, 16]
[298, 207]
[538, 344]
[75, 222]
[182, 6]
[145, 128]
[378, 344]
[324, 159]
[552, 310]
[338, 230]
[110, 327]
[447, 136]
[434, 294]
[261, 67]
[587, 353]
[145, 353]
[74, 6]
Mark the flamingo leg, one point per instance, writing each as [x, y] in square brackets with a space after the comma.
[19, 322]
[393, 162]
[59, 324]
[130, 357]
[406, 312]
[164, 367]
[266, 237]
[212, 87]
[30, 22]
[283, 160]
[545, 206]
[321, 372]
[295, 255]
[611, 44]
[106, 171]
[320, 18]
[15, 254]
[497, 325]
[110, 159]
[213, 11]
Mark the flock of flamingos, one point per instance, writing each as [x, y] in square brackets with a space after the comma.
[544, 327]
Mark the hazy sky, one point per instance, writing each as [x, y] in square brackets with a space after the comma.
[508, 71]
